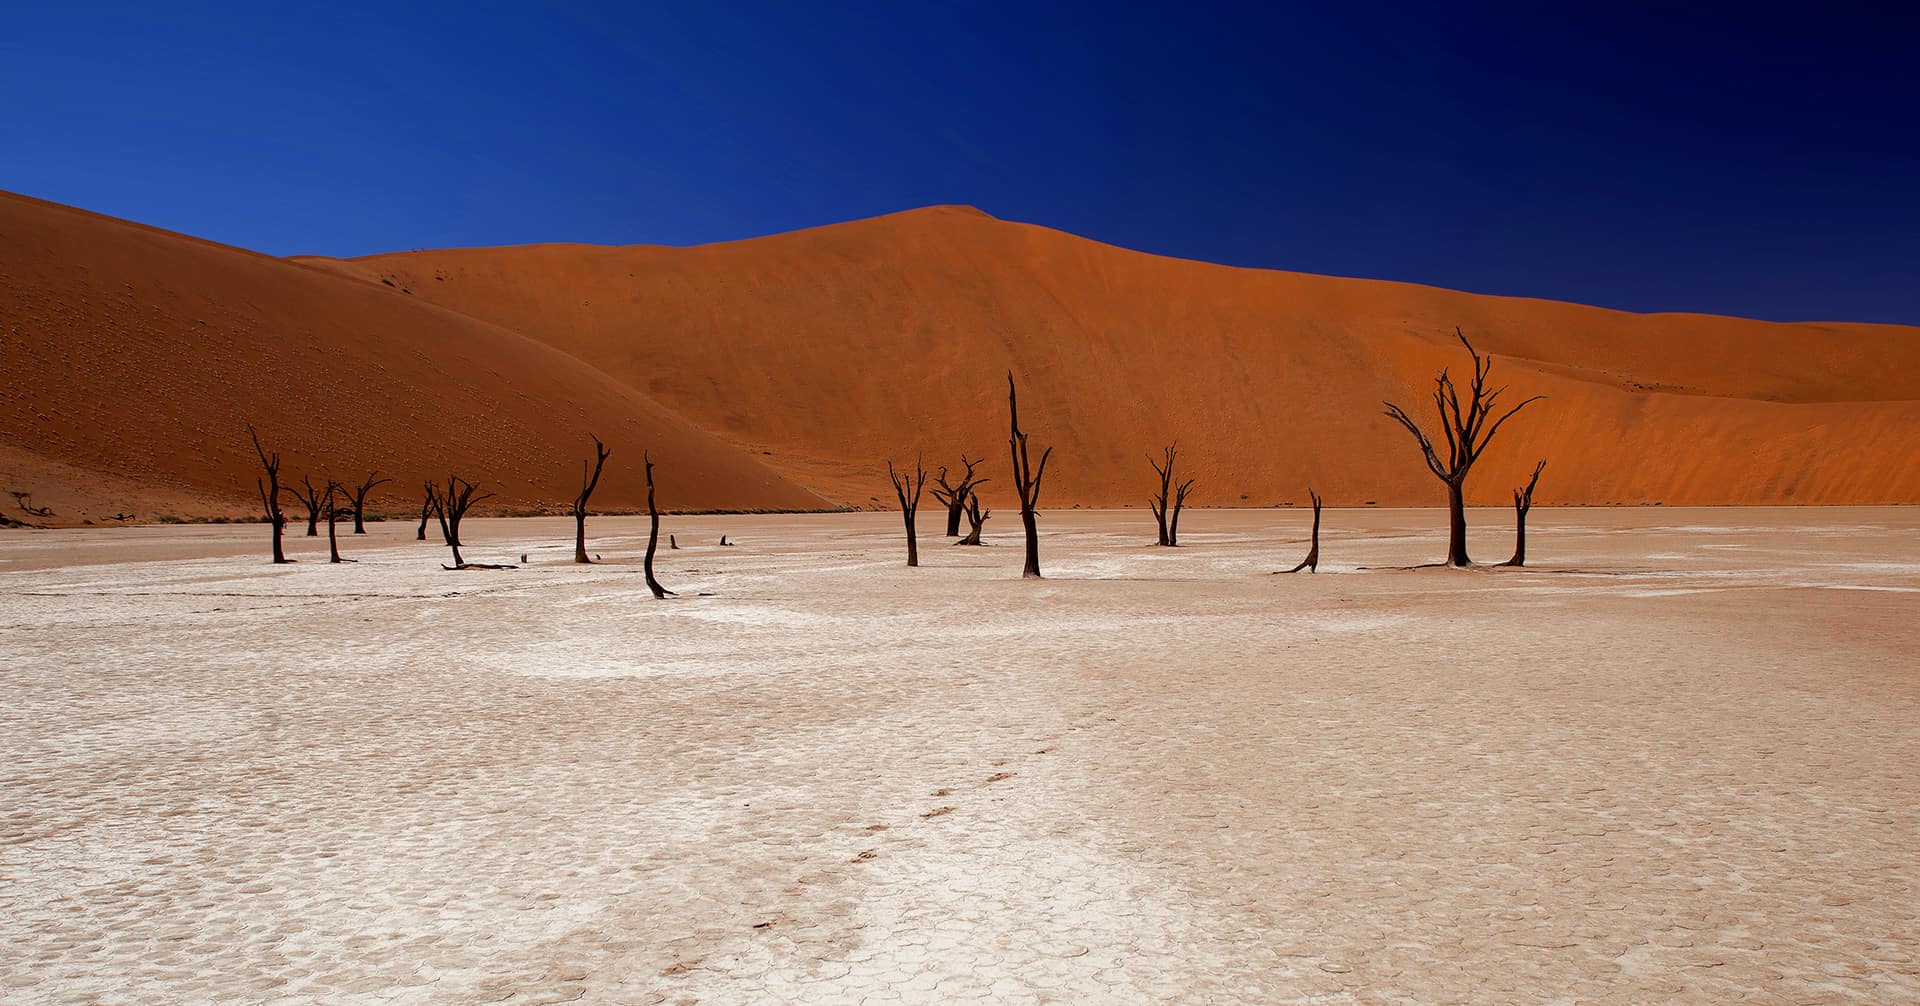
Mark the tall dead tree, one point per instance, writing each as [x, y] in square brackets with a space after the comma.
[653, 530]
[1312, 562]
[1523, 502]
[1468, 432]
[451, 506]
[427, 504]
[334, 513]
[1171, 498]
[976, 518]
[1026, 480]
[311, 500]
[358, 495]
[270, 494]
[588, 482]
[954, 497]
[909, 502]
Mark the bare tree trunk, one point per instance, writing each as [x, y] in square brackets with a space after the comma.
[270, 496]
[359, 497]
[452, 538]
[1522, 505]
[976, 518]
[1519, 537]
[1179, 504]
[311, 500]
[588, 482]
[653, 531]
[1027, 479]
[426, 511]
[333, 515]
[449, 529]
[1312, 562]
[1158, 501]
[909, 502]
[1457, 525]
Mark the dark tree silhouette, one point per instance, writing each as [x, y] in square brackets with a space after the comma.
[653, 530]
[451, 506]
[909, 502]
[1312, 562]
[954, 497]
[270, 494]
[428, 503]
[588, 481]
[24, 501]
[976, 517]
[311, 500]
[1026, 479]
[359, 497]
[671, 543]
[334, 513]
[1468, 433]
[1168, 518]
[1522, 503]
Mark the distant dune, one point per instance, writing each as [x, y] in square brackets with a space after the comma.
[135, 358]
[780, 372]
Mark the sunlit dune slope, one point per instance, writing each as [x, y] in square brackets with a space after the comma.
[836, 347]
[134, 359]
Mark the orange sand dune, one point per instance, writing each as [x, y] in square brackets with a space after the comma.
[134, 358]
[781, 372]
[835, 347]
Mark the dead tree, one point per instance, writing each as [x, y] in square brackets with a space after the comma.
[1312, 562]
[1179, 504]
[1168, 518]
[334, 513]
[954, 497]
[653, 531]
[588, 481]
[976, 517]
[909, 503]
[359, 497]
[1026, 480]
[1468, 433]
[671, 543]
[25, 502]
[311, 500]
[1523, 502]
[451, 506]
[270, 494]
[427, 505]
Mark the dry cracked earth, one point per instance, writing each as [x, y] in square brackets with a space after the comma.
[1676, 761]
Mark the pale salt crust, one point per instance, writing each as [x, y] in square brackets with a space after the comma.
[1641, 770]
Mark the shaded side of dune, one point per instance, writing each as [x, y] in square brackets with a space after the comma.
[138, 357]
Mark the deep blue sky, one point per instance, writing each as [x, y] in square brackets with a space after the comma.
[1754, 164]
